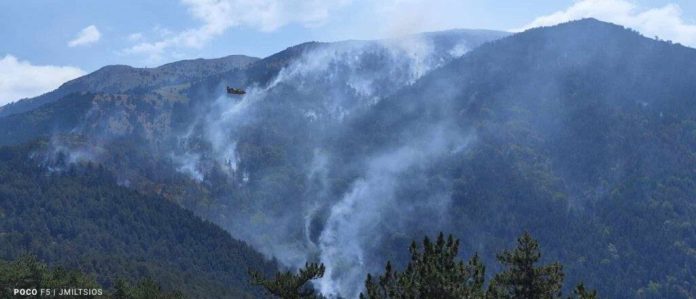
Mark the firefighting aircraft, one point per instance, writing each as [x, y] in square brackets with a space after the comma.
[235, 91]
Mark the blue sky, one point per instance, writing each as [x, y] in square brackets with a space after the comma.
[46, 42]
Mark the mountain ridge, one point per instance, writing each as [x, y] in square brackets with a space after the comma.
[219, 66]
[589, 119]
[193, 69]
[580, 133]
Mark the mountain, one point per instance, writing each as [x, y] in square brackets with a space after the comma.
[129, 121]
[78, 218]
[578, 133]
[173, 90]
[581, 133]
[123, 78]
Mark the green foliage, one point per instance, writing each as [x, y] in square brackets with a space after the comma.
[288, 285]
[145, 289]
[437, 273]
[433, 272]
[589, 148]
[581, 293]
[79, 218]
[28, 273]
[522, 278]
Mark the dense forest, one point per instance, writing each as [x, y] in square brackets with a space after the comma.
[582, 134]
[81, 219]
[27, 273]
[436, 271]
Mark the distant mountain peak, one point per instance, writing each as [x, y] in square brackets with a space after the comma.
[121, 78]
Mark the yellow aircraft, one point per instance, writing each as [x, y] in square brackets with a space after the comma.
[235, 91]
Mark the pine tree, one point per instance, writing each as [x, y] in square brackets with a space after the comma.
[287, 285]
[581, 293]
[433, 273]
[522, 278]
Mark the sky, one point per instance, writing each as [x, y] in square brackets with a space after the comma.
[47, 42]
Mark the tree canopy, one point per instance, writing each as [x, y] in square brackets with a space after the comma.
[435, 271]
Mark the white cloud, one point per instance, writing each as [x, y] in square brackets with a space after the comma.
[135, 37]
[86, 36]
[217, 16]
[665, 22]
[20, 79]
[401, 17]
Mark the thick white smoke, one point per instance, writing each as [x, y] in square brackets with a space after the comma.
[354, 223]
[357, 73]
[333, 82]
[329, 84]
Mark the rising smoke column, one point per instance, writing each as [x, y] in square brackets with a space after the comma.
[371, 208]
[327, 87]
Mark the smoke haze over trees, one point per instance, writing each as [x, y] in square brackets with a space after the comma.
[343, 153]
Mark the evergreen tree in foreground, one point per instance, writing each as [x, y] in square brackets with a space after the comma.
[582, 293]
[433, 273]
[287, 285]
[436, 273]
[522, 278]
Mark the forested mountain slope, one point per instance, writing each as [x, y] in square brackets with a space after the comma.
[75, 216]
[581, 133]
[584, 136]
[123, 78]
